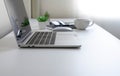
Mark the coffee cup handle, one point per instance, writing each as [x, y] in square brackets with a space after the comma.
[91, 23]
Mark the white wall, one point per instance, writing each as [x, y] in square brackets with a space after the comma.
[57, 8]
[27, 4]
[35, 8]
[106, 13]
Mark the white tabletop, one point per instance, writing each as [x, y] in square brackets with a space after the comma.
[98, 56]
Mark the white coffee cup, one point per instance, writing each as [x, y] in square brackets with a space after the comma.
[82, 24]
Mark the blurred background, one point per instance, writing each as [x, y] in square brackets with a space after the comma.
[105, 13]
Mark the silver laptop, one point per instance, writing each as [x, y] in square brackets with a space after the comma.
[26, 38]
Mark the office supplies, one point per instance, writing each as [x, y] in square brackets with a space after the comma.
[26, 38]
[60, 23]
[56, 23]
[62, 29]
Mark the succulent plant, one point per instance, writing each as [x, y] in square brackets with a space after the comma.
[43, 18]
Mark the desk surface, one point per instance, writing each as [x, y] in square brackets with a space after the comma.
[98, 56]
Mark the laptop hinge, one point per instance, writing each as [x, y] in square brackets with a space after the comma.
[21, 41]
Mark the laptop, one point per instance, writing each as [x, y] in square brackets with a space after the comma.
[26, 38]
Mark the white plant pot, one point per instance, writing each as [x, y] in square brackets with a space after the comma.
[43, 25]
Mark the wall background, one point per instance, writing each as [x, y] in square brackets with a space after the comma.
[105, 13]
[27, 4]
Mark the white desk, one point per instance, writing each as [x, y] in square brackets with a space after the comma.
[98, 56]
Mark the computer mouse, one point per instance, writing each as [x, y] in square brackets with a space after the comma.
[62, 29]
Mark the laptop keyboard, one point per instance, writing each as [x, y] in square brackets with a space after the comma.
[42, 38]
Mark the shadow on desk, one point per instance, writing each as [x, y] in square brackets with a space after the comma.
[53, 48]
[8, 43]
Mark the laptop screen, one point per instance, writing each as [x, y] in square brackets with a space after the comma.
[18, 18]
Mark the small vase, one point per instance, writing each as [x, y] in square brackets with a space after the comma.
[43, 25]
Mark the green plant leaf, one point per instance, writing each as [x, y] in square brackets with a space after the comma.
[42, 19]
[47, 14]
[25, 23]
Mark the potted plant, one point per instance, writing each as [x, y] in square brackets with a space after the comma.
[43, 20]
